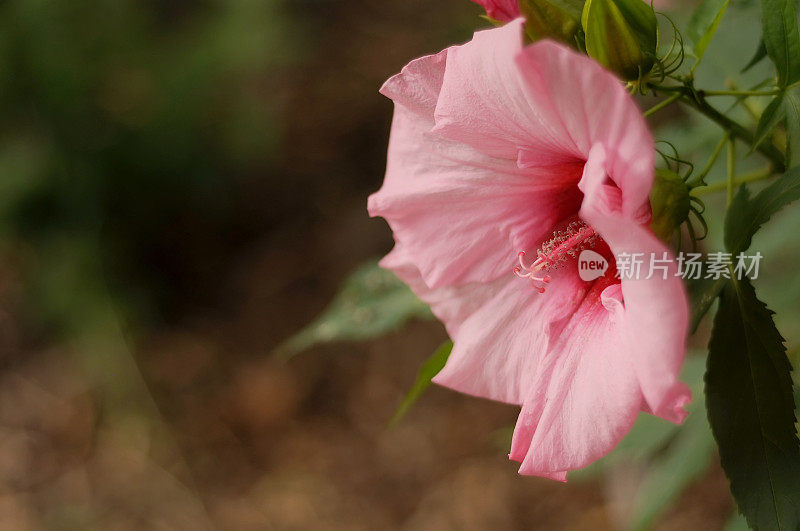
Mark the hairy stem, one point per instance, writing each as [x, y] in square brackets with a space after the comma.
[739, 92]
[699, 179]
[755, 176]
[731, 169]
[696, 100]
[667, 102]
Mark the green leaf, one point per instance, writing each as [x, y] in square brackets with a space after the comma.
[781, 38]
[427, 371]
[784, 106]
[745, 215]
[703, 25]
[751, 409]
[761, 53]
[371, 302]
[770, 118]
[792, 112]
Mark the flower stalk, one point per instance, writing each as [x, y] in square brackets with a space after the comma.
[746, 178]
[696, 100]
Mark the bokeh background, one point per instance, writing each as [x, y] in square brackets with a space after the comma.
[183, 187]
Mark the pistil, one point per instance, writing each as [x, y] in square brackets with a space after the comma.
[564, 244]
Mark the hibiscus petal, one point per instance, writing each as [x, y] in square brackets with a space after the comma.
[500, 330]
[482, 160]
[417, 86]
[486, 101]
[586, 396]
[656, 309]
[592, 106]
[542, 104]
[461, 214]
[499, 346]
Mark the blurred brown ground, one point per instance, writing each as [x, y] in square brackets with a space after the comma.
[237, 441]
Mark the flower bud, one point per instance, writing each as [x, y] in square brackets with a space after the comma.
[622, 35]
[669, 200]
[553, 19]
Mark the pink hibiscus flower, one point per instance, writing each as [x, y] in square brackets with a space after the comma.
[502, 10]
[497, 149]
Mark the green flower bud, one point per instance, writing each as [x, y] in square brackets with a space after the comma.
[669, 200]
[622, 35]
[559, 20]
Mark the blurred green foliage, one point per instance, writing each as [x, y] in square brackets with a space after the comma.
[127, 129]
[130, 129]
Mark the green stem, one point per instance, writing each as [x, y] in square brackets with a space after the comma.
[731, 168]
[697, 102]
[667, 88]
[752, 109]
[699, 179]
[739, 92]
[755, 176]
[666, 103]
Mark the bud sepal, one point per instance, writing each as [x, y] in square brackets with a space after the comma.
[622, 35]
